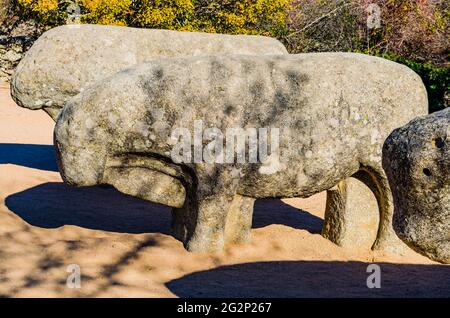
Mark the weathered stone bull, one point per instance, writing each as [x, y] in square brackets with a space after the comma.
[68, 58]
[416, 158]
[333, 112]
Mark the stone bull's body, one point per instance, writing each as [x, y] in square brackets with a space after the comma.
[66, 59]
[333, 112]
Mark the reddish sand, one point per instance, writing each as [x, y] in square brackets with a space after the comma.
[124, 248]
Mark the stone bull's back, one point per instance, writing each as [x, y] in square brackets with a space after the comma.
[334, 112]
[66, 59]
[312, 94]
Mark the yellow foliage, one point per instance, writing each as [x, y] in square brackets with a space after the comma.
[266, 17]
[112, 12]
[167, 14]
[42, 7]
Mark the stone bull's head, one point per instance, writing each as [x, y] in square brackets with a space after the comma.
[134, 163]
[416, 158]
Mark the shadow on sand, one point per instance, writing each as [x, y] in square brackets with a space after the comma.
[55, 204]
[272, 211]
[314, 279]
[32, 156]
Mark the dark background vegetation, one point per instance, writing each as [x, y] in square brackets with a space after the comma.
[414, 33]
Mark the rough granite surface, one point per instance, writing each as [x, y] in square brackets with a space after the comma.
[66, 59]
[416, 158]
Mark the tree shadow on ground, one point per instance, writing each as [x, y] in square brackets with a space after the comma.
[54, 204]
[32, 156]
[314, 279]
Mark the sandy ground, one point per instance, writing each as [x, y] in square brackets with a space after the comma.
[124, 248]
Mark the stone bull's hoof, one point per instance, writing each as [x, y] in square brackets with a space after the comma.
[65, 59]
[327, 116]
[416, 158]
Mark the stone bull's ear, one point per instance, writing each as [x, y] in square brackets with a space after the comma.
[148, 176]
[146, 184]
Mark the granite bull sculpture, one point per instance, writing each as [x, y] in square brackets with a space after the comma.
[333, 112]
[66, 59]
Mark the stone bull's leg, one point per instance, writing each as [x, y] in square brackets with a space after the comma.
[200, 223]
[239, 221]
[351, 215]
[182, 224]
[359, 212]
[333, 227]
[375, 178]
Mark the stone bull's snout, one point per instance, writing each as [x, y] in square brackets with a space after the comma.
[138, 174]
[90, 163]
[79, 165]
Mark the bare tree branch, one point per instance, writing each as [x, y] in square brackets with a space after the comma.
[320, 18]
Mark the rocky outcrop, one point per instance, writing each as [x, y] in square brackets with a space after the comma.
[416, 158]
[332, 112]
[16, 37]
[12, 50]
